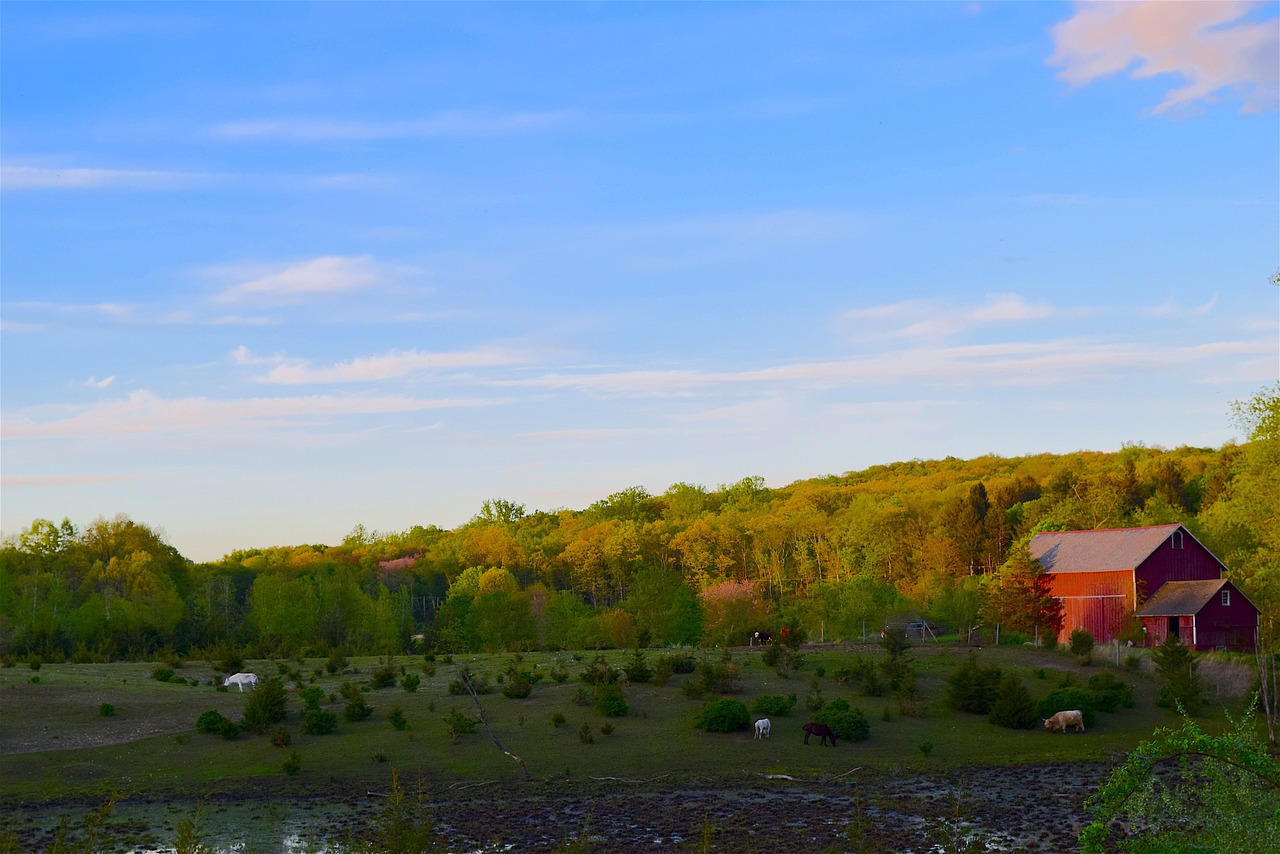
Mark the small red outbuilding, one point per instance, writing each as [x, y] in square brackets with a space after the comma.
[1102, 577]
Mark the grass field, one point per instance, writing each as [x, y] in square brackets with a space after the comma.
[55, 744]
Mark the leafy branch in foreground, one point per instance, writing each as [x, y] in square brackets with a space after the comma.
[1188, 791]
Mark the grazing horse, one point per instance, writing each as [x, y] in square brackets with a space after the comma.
[241, 679]
[762, 728]
[820, 730]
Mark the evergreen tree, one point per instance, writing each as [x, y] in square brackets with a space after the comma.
[1176, 666]
[1013, 707]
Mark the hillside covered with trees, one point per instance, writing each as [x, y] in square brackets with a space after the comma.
[832, 556]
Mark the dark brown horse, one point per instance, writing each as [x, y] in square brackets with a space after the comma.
[821, 730]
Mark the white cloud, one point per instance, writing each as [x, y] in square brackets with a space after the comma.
[453, 123]
[325, 276]
[94, 382]
[1214, 46]
[938, 318]
[53, 178]
[145, 413]
[393, 365]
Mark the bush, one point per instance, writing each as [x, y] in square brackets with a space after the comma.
[293, 764]
[281, 738]
[560, 673]
[584, 734]
[1110, 693]
[311, 696]
[319, 722]
[214, 722]
[638, 669]
[1081, 643]
[1067, 698]
[1176, 666]
[606, 728]
[106, 710]
[337, 661]
[558, 719]
[600, 672]
[773, 705]
[460, 724]
[411, 682]
[679, 662]
[396, 718]
[972, 687]
[518, 688]
[384, 675]
[162, 674]
[847, 723]
[610, 701]
[1013, 707]
[723, 716]
[265, 706]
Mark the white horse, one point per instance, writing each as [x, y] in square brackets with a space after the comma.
[241, 679]
[762, 728]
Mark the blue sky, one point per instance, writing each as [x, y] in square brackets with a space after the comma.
[272, 270]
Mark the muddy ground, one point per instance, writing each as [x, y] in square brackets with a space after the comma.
[1034, 809]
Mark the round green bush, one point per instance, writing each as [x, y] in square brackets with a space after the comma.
[610, 701]
[847, 723]
[772, 705]
[723, 716]
[318, 722]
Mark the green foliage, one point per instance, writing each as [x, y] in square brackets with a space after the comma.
[518, 688]
[600, 672]
[637, 668]
[584, 734]
[557, 719]
[1176, 666]
[1188, 791]
[1013, 707]
[214, 722]
[265, 706]
[610, 701]
[336, 662]
[773, 705]
[459, 724]
[106, 710]
[973, 687]
[679, 662]
[405, 825]
[1081, 643]
[847, 723]
[319, 722]
[1068, 698]
[723, 716]
[384, 675]
[293, 764]
[1109, 693]
[163, 674]
[311, 696]
[281, 738]
[395, 717]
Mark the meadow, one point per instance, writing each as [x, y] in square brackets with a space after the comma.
[60, 753]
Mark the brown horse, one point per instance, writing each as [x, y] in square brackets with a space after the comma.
[820, 730]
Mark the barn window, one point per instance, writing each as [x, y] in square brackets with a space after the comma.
[1226, 598]
[1176, 539]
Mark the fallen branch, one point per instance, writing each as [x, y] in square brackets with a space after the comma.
[781, 777]
[461, 786]
[845, 774]
[471, 689]
[625, 780]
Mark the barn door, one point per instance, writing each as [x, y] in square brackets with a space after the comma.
[1173, 627]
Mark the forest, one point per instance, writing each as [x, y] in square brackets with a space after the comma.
[831, 557]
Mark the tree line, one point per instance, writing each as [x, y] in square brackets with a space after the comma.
[831, 557]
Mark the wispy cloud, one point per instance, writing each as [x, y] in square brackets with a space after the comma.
[939, 318]
[391, 366]
[14, 177]
[94, 382]
[144, 412]
[454, 123]
[1215, 47]
[20, 480]
[320, 277]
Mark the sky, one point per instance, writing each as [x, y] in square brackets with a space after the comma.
[272, 270]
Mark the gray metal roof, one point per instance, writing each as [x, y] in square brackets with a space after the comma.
[1098, 551]
[1181, 598]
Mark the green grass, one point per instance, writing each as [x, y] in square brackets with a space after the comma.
[150, 745]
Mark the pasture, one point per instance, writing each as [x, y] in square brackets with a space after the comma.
[56, 747]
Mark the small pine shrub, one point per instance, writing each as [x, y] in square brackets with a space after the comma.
[211, 722]
[35, 662]
[638, 669]
[582, 697]
[311, 696]
[679, 662]
[395, 717]
[925, 747]
[106, 710]
[600, 672]
[1013, 708]
[265, 706]
[773, 705]
[558, 719]
[1109, 692]
[584, 734]
[460, 724]
[1081, 643]
[411, 682]
[384, 675]
[34, 680]
[560, 673]
[973, 687]
[518, 688]
[162, 674]
[610, 701]
[281, 738]
[847, 723]
[606, 728]
[293, 764]
[723, 716]
[337, 661]
[319, 722]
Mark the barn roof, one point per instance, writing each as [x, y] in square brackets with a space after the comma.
[1098, 551]
[1181, 598]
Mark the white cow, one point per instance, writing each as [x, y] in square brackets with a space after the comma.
[241, 679]
[762, 728]
[1062, 720]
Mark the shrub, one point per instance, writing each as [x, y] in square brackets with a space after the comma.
[1067, 698]
[773, 705]
[281, 738]
[106, 710]
[814, 699]
[638, 669]
[606, 728]
[460, 724]
[265, 706]
[925, 747]
[1013, 707]
[719, 677]
[311, 696]
[518, 688]
[384, 675]
[558, 719]
[679, 662]
[560, 673]
[396, 718]
[847, 723]
[213, 722]
[600, 672]
[1081, 643]
[163, 674]
[35, 662]
[411, 682]
[319, 722]
[610, 701]
[337, 661]
[582, 697]
[972, 687]
[1176, 667]
[293, 764]
[1109, 693]
[584, 734]
[723, 716]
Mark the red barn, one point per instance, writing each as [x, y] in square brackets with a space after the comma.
[1102, 577]
[1203, 615]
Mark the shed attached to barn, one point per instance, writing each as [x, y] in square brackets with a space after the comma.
[1205, 615]
[1103, 577]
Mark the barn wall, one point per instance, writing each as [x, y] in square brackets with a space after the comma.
[1231, 627]
[1193, 562]
[1094, 601]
